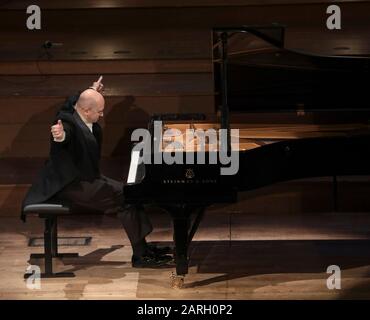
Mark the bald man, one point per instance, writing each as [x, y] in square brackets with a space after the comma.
[72, 174]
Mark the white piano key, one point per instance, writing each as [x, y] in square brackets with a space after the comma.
[135, 156]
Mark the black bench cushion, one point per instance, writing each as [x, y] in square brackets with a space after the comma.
[46, 208]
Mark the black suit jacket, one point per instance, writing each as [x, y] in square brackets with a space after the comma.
[75, 159]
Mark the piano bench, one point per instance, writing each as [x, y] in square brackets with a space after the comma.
[50, 212]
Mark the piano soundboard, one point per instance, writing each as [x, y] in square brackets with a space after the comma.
[249, 136]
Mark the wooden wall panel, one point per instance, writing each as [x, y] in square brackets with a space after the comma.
[125, 109]
[111, 42]
[19, 110]
[89, 4]
[16, 171]
[294, 14]
[115, 85]
[105, 67]
[159, 49]
[11, 197]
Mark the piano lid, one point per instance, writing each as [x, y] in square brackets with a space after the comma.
[263, 76]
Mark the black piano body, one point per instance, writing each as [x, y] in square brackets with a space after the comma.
[299, 115]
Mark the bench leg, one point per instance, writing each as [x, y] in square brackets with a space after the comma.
[51, 250]
[54, 242]
[48, 246]
[54, 237]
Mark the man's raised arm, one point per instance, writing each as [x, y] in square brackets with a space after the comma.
[58, 132]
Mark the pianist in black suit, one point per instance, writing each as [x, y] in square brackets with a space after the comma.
[72, 174]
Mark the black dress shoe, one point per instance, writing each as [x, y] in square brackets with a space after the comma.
[158, 251]
[150, 261]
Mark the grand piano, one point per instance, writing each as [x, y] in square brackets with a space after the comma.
[297, 115]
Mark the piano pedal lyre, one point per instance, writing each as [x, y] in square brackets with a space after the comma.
[176, 281]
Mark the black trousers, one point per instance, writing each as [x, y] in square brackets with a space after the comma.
[105, 195]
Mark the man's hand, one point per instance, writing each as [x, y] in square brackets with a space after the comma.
[98, 86]
[58, 132]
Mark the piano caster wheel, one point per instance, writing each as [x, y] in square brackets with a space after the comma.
[177, 282]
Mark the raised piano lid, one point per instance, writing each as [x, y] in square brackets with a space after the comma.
[263, 76]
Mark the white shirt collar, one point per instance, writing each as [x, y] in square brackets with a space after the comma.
[88, 124]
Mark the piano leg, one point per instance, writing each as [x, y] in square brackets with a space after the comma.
[181, 221]
[182, 236]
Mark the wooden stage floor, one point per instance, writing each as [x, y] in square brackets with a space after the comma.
[235, 255]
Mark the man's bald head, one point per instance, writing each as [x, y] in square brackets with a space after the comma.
[91, 105]
[90, 99]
